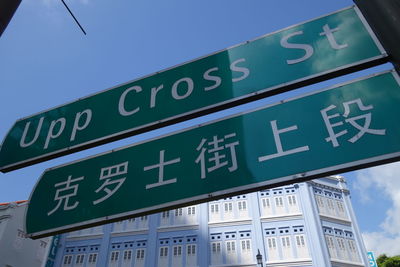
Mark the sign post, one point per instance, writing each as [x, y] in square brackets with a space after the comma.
[338, 129]
[319, 49]
[384, 18]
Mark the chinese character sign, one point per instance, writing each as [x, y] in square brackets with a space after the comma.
[331, 130]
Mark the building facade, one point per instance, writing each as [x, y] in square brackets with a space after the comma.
[15, 248]
[304, 224]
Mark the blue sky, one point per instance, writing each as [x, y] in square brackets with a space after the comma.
[45, 61]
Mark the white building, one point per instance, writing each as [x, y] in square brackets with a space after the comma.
[304, 224]
[15, 249]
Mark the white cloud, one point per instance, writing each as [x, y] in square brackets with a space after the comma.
[379, 243]
[386, 179]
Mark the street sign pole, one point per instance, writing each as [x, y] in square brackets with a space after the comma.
[384, 18]
[343, 128]
[7, 10]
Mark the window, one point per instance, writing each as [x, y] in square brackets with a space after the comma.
[216, 255]
[67, 260]
[228, 211]
[272, 254]
[340, 209]
[127, 255]
[279, 207]
[92, 259]
[266, 207]
[164, 252]
[322, 204]
[266, 203]
[191, 258]
[228, 207]
[139, 258]
[178, 212]
[216, 247]
[231, 256]
[246, 253]
[279, 201]
[178, 218]
[331, 246]
[191, 249]
[113, 260]
[114, 256]
[163, 257]
[142, 222]
[353, 250]
[331, 207]
[214, 208]
[230, 246]
[340, 206]
[342, 249]
[177, 256]
[242, 205]
[292, 201]
[286, 247]
[191, 215]
[177, 251]
[301, 246]
[214, 212]
[300, 241]
[245, 245]
[165, 217]
[285, 241]
[79, 259]
[140, 254]
[191, 210]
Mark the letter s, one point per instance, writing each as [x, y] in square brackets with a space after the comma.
[243, 70]
[307, 48]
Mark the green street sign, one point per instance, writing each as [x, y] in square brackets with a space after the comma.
[330, 131]
[313, 51]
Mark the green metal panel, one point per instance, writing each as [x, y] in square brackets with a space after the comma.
[325, 47]
[336, 129]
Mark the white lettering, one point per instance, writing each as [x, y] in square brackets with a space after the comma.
[76, 126]
[189, 90]
[307, 48]
[22, 142]
[121, 106]
[153, 95]
[209, 77]
[50, 134]
[329, 34]
[243, 70]
[279, 149]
